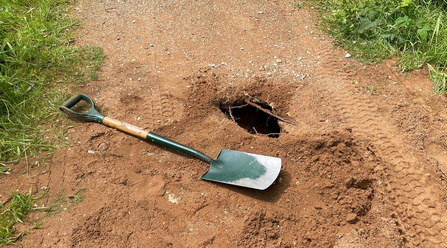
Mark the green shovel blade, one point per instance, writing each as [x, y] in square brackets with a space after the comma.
[244, 169]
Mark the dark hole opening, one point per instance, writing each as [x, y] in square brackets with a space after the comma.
[252, 119]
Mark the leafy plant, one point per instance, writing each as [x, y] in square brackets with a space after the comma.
[378, 29]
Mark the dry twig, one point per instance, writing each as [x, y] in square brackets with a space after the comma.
[231, 115]
[270, 113]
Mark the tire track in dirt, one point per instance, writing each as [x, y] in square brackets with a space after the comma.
[419, 209]
[157, 108]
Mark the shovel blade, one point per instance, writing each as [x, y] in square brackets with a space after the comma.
[244, 169]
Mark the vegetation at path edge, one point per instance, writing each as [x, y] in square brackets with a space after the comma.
[38, 65]
[414, 30]
[20, 205]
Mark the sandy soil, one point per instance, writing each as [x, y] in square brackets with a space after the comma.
[364, 166]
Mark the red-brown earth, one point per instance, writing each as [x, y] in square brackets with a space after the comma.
[364, 166]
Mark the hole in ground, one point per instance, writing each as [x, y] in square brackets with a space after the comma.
[251, 118]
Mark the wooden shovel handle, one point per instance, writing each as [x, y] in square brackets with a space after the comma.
[125, 127]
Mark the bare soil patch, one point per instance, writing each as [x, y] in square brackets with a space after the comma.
[364, 166]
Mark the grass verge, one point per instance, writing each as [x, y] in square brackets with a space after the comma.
[413, 30]
[20, 205]
[38, 66]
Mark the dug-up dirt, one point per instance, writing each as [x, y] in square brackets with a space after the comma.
[364, 165]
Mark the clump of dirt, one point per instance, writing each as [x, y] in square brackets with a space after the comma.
[252, 104]
[333, 189]
[211, 89]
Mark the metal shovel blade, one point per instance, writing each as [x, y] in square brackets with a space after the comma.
[244, 169]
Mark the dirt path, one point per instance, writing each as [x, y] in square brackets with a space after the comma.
[364, 166]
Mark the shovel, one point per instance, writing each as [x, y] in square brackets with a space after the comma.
[230, 167]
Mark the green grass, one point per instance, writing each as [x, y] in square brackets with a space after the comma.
[20, 205]
[64, 202]
[439, 79]
[373, 30]
[38, 68]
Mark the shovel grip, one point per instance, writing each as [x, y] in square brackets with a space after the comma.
[92, 115]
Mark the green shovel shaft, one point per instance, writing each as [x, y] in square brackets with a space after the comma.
[139, 132]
